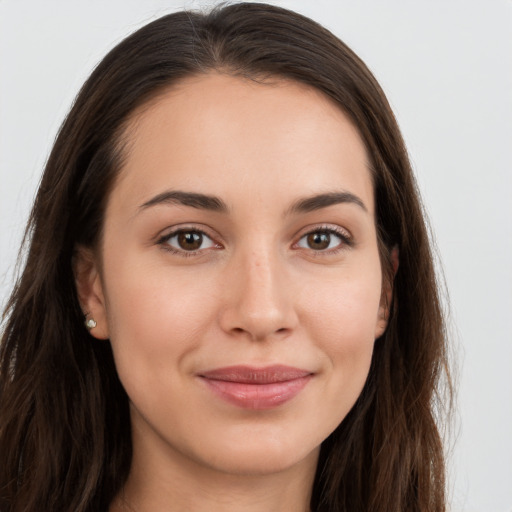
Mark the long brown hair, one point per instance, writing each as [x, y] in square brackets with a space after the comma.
[65, 440]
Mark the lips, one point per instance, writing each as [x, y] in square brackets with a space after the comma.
[256, 388]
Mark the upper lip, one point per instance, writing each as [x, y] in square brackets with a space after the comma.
[255, 375]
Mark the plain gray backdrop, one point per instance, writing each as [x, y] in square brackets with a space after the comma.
[446, 66]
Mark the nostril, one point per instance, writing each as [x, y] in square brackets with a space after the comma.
[241, 330]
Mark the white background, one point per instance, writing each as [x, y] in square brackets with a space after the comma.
[446, 66]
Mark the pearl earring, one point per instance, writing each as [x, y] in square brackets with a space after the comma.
[90, 323]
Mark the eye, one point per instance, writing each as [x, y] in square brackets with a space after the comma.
[323, 240]
[187, 241]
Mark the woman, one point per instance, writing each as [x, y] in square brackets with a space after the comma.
[230, 210]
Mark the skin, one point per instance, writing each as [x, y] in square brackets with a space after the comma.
[256, 292]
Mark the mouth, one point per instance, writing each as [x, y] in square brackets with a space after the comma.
[256, 388]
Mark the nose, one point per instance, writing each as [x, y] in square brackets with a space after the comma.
[259, 302]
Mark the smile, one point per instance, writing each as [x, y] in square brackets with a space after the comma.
[256, 388]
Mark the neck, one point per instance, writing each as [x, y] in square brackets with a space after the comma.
[253, 495]
[161, 482]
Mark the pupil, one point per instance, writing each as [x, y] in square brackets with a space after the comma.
[190, 241]
[319, 241]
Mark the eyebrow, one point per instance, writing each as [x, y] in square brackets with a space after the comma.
[213, 203]
[193, 199]
[319, 201]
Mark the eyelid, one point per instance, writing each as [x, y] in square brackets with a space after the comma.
[347, 240]
[173, 231]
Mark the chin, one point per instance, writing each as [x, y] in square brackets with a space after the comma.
[261, 453]
[260, 463]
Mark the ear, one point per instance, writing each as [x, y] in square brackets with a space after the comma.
[387, 295]
[90, 290]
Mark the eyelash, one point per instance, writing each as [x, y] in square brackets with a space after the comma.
[164, 241]
[346, 241]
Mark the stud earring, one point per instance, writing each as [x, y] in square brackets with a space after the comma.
[90, 323]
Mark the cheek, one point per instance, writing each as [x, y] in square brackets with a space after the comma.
[345, 306]
[342, 319]
[349, 333]
[157, 321]
[155, 317]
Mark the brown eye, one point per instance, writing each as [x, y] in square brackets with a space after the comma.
[183, 241]
[323, 240]
[318, 240]
[189, 240]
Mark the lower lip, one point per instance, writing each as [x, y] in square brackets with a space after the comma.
[257, 396]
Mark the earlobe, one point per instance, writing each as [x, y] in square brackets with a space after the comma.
[89, 288]
[382, 321]
[387, 294]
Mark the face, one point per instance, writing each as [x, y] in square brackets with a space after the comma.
[238, 277]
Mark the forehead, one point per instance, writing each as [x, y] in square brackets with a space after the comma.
[218, 134]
